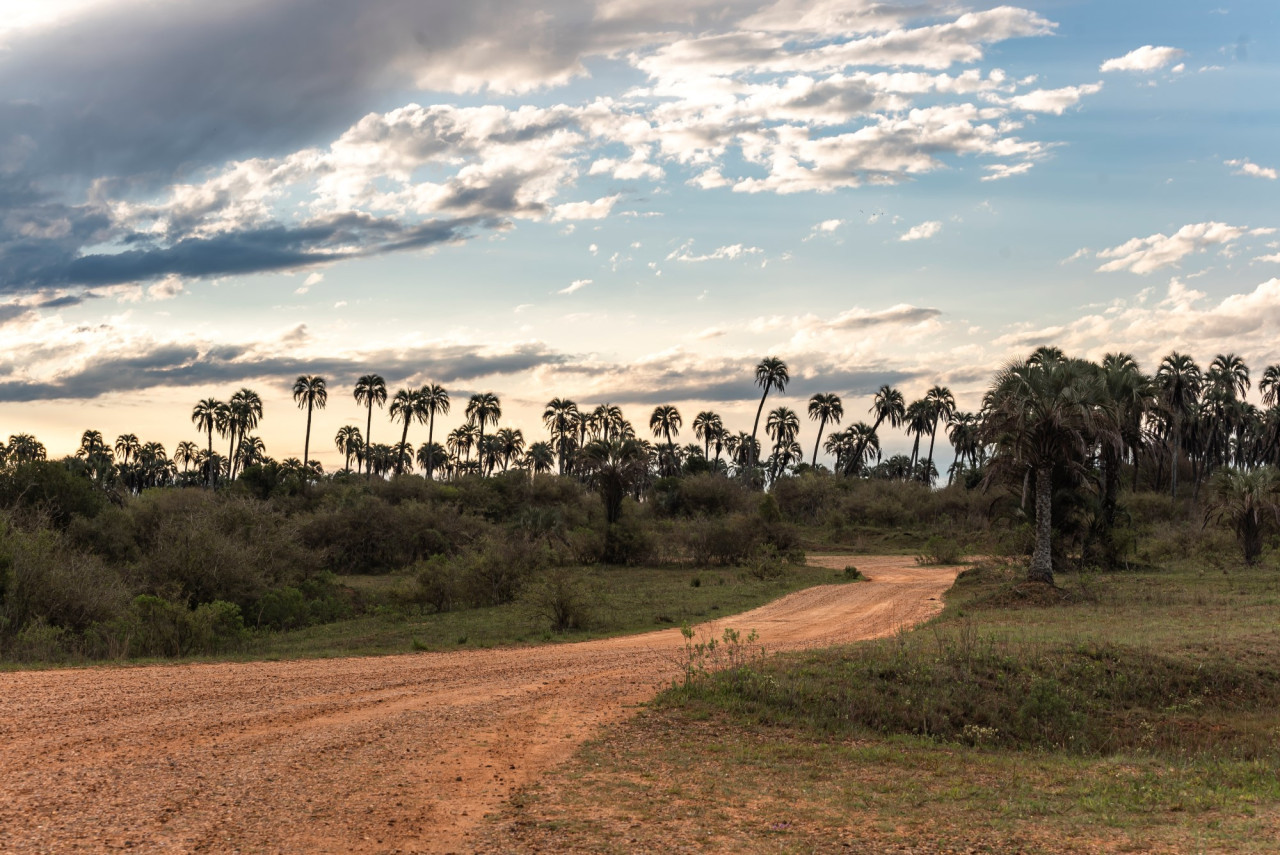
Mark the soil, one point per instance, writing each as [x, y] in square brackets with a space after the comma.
[379, 754]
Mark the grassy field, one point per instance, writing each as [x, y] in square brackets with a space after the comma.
[1135, 712]
[617, 600]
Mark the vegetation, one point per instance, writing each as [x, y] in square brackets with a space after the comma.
[1117, 712]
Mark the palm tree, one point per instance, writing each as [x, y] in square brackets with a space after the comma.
[1247, 500]
[429, 453]
[608, 422]
[25, 448]
[665, 422]
[510, 443]
[349, 442]
[782, 427]
[1041, 415]
[1269, 385]
[771, 373]
[563, 421]
[127, 447]
[434, 399]
[919, 415]
[963, 431]
[540, 457]
[205, 417]
[1179, 382]
[186, 453]
[614, 468]
[942, 406]
[461, 440]
[406, 406]
[707, 426]
[886, 405]
[245, 413]
[370, 389]
[309, 391]
[483, 408]
[823, 408]
[251, 452]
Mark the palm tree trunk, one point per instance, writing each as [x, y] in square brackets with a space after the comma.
[209, 463]
[306, 444]
[1041, 569]
[1177, 452]
[755, 429]
[431, 450]
[404, 435]
[928, 471]
[821, 424]
[368, 429]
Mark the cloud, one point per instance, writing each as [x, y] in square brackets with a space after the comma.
[1144, 255]
[575, 285]
[597, 210]
[1055, 101]
[923, 231]
[1246, 167]
[312, 279]
[723, 253]
[1146, 58]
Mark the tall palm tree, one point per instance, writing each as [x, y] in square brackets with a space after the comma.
[608, 422]
[1041, 415]
[919, 414]
[942, 406]
[434, 400]
[510, 443]
[1179, 381]
[251, 451]
[824, 407]
[771, 373]
[370, 390]
[205, 417]
[406, 406]
[563, 421]
[349, 442]
[483, 408]
[665, 422]
[886, 405]
[431, 453]
[1269, 385]
[309, 391]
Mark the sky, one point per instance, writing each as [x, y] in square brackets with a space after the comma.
[624, 201]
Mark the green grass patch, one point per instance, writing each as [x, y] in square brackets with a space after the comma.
[1120, 712]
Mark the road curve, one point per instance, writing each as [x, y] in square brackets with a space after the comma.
[380, 754]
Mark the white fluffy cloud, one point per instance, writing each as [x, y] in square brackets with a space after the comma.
[724, 253]
[1146, 58]
[575, 286]
[1247, 167]
[1144, 255]
[923, 231]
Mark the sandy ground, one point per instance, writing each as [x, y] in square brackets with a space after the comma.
[386, 754]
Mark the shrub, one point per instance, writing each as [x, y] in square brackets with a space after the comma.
[46, 580]
[562, 598]
[436, 583]
[628, 542]
[940, 549]
[495, 574]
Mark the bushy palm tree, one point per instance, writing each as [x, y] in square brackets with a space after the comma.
[1246, 500]
[540, 457]
[407, 406]
[25, 448]
[483, 408]
[886, 405]
[205, 417]
[310, 392]
[564, 421]
[370, 390]
[244, 412]
[824, 407]
[252, 451]
[349, 443]
[708, 427]
[614, 467]
[1052, 412]
[435, 401]
[186, 454]
[510, 444]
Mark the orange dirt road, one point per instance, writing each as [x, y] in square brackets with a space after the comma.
[381, 754]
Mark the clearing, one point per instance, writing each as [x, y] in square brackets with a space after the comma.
[381, 754]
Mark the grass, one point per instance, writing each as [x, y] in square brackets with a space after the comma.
[1126, 712]
[620, 600]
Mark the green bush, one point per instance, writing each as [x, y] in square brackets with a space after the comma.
[46, 580]
[562, 598]
[436, 582]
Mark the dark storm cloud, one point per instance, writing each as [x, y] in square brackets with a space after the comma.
[188, 365]
[267, 248]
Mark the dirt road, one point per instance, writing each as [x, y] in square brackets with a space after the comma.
[388, 754]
